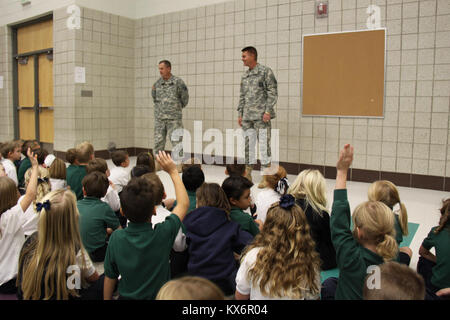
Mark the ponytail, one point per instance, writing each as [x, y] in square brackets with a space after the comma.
[388, 248]
[403, 218]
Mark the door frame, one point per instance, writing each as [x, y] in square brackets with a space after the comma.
[35, 56]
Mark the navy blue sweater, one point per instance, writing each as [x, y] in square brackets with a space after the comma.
[212, 239]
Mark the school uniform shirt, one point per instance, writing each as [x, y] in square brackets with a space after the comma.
[265, 198]
[57, 184]
[180, 240]
[24, 166]
[352, 258]
[95, 217]
[319, 224]
[245, 220]
[245, 286]
[212, 239]
[75, 175]
[120, 177]
[398, 230]
[112, 199]
[192, 200]
[140, 255]
[441, 243]
[31, 217]
[10, 170]
[12, 238]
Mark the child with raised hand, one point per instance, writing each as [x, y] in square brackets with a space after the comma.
[139, 246]
[213, 238]
[386, 192]
[12, 219]
[309, 191]
[274, 186]
[370, 243]
[237, 189]
[281, 262]
[50, 256]
[435, 269]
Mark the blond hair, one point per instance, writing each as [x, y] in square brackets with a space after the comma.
[8, 194]
[386, 192]
[58, 241]
[287, 263]
[376, 222]
[271, 180]
[58, 169]
[85, 151]
[311, 185]
[190, 288]
[43, 186]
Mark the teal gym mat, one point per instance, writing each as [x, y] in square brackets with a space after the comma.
[412, 229]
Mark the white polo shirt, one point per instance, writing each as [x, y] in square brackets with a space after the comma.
[10, 170]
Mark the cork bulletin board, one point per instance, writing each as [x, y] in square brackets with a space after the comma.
[343, 74]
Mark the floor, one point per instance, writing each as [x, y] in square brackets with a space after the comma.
[422, 205]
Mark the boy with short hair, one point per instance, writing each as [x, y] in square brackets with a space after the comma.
[237, 189]
[10, 153]
[139, 246]
[237, 169]
[193, 177]
[119, 174]
[76, 173]
[97, 219]
[111, 197]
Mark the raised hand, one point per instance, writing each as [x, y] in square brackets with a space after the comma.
[166, 162]
[32, 157]
[345, 158]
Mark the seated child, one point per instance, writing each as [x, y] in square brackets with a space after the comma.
[97, 219]
[193, 177]
[190, 288]
[435, 269]
[43, 188]
[237, 189]
[213, 238]
[111, 197]
[49, 254]
[236, 169]
[76, 172]
[10, 152]
[120, 175]
[370, 243]
[309, 191]
[271, 267]
[12, 218]
[274, 186]
[139, 247]
[396, 282]
[146, 159]
[57, 170]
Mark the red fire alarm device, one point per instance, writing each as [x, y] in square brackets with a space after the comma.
[321, 9]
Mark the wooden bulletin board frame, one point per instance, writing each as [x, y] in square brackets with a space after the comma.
[344, 74]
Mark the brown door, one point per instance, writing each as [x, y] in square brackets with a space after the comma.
[35, 72]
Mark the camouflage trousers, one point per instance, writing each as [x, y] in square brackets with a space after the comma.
[257, 130]
[164, 128]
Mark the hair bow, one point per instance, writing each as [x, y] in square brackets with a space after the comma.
[287, 201]
[42, 180]
[45, 205]
[282, 186]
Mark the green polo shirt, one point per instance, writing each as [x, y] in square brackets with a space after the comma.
[192, 201]
[24, 166]
[140, 254]
[75, 175]
[441, 243]
[398, 230]
[352, 258]
[95, 217]
[245, 221]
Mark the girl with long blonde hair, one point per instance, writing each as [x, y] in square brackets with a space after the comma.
[50, 256]
[309, 191]
[281, 262]
[370, 243]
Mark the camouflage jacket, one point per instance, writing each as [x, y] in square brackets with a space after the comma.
[258, 93]
[170, 97]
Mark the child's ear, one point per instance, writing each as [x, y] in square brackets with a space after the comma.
[84, 192]
[233, 201]
[164, 195]
[226, 172]
[360, 233]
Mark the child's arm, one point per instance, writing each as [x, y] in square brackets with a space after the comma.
[427, 254]
[167, 164]
[342, 166]
[30, 194]
[108, 288]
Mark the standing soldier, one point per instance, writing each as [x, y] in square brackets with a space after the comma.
[256, 107]
[170, 96]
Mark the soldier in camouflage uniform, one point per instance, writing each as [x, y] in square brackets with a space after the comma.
[170, 96]
[256, 107]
